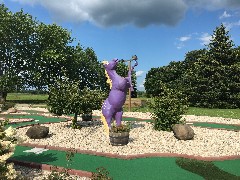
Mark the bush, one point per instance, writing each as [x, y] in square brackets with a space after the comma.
[7, 105]
[65, 97]
[167, 109]
[7, 145]
[101, 174]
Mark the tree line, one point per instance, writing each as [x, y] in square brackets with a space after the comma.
[37, 55]
[208, 77]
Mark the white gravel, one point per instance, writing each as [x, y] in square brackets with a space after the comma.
[143, 139]
[38, 174]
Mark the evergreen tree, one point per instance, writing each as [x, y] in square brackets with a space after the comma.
[212, 80]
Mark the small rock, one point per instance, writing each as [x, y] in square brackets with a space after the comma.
[12, 110]
[37, 132]
[183, 132]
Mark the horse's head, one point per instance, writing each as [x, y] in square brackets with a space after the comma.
[112, 65]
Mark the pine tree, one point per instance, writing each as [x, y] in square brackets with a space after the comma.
[221, 46]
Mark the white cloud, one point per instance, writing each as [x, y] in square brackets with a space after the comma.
[230, 25]
[182, 40]
[205, 39]
[185, 38]
[179, 45]
[141, 85]
[139, 73]
[225, 15]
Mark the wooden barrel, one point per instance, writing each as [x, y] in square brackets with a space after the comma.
[119, 139]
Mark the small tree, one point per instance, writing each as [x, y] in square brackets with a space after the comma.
[167, 109]
[66, 97]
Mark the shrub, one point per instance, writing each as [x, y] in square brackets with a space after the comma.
[63, 174]
[7, 145]
[167, 109]
[101, 174]
[66, 97]
[7, 105]
[122, 128]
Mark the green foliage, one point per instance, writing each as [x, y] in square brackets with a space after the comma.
[86, 69]
[66, 97]
[8, 105]
[208, 77]
[63, 174]
[212, 81]
[8, 142]
[52, 55]
[122, 128]
[16, 32]
[101, 174]
[34, 54]
[167, 109]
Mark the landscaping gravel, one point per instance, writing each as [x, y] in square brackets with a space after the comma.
[143, 139]
[38, 174]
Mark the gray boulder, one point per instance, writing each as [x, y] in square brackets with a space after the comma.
[37, 132]
[183, 132]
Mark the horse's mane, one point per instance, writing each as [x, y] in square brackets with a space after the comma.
[109, 81]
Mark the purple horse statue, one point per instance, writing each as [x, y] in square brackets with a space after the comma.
[112, 106]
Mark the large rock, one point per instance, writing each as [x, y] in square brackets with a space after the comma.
[183, 132]
[37, 132]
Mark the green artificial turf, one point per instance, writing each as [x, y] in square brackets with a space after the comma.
[42, 119]
[231, 166]
[119, 169]
[141, 168]
[212, 125]
[208, 170]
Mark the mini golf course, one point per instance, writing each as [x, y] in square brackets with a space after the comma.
[134, 168]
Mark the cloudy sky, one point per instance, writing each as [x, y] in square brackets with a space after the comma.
[157, 31]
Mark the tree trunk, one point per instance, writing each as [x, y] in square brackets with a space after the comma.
[75, 118]
[3, 94]
[74, 121]
[3, 97]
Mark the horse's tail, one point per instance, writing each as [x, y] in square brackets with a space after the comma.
[105, 125]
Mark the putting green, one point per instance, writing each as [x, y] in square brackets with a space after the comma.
[141, 169]
[40, 120]
[231, 166]
[211, 125]
[228, 169]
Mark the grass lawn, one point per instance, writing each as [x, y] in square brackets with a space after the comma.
[27, 98]
[225, 113]
[42, 98]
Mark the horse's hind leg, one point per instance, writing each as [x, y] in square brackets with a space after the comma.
[118, 117]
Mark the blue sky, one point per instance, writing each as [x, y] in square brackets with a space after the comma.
[157, 31]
